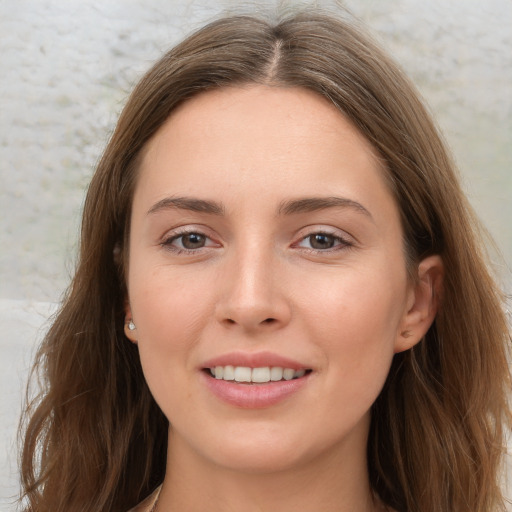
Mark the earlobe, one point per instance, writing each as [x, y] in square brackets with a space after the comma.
[130, 330]
[423, 303]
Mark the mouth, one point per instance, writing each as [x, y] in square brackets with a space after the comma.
[246, 375]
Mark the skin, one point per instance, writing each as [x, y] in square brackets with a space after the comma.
[258, 284]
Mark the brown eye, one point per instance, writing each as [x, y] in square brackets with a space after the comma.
[192, 240]
[321, 241]
[187, 242]
[324, 242]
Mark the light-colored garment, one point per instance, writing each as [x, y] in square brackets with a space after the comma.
[148, 503]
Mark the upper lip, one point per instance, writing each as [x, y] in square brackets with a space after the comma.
[254, 360]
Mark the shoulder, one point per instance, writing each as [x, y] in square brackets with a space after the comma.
[148, 503]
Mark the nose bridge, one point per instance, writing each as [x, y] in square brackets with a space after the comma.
[252, 294]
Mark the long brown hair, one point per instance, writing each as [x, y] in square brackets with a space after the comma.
[95, 439]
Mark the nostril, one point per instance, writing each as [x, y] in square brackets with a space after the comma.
[250, 321]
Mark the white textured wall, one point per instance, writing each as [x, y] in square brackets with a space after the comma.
[67, 66]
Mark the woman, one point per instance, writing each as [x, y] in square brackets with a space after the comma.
[276, 251]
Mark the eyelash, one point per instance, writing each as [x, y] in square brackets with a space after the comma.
[167, 243]
[341, 242]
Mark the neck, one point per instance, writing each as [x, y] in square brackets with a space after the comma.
[335, 481]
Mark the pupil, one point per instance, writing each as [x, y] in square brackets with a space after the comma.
[321, 241]
[193, 241]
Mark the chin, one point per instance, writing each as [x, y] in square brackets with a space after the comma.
[253, 449]
[260, 449]
[256, 459]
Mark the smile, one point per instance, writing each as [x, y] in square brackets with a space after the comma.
[262, 375]
[257, 387]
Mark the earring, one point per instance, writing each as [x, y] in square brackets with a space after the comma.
[131, 325]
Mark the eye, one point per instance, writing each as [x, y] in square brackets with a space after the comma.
[192, 240]
[187, 241]
[323, 242]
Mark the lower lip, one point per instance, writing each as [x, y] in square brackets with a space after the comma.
[254, 396]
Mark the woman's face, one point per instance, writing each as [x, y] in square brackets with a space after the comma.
[265, 245]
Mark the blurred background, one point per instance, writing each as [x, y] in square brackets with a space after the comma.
[67, 67]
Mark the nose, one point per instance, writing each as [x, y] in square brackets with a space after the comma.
[253, 293]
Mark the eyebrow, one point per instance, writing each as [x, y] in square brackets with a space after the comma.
[291, 207]
[188, 203]
[313, 204]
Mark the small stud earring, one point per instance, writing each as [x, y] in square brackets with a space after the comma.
[131, 325]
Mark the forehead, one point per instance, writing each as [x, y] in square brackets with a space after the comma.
[258, 140]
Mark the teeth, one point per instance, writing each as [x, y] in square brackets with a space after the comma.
[288, 374]
[276, 373]
[242, 374]
[255, 375]
[260, 374]
[229, 372]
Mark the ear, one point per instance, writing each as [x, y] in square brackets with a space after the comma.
[130, 330]
[422, 303]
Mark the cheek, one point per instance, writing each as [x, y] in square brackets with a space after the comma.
[355, 322]
[166, 304]
[356, 306]
[169, 319]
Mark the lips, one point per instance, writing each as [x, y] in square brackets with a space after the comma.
[255, 380]
[254, 360]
